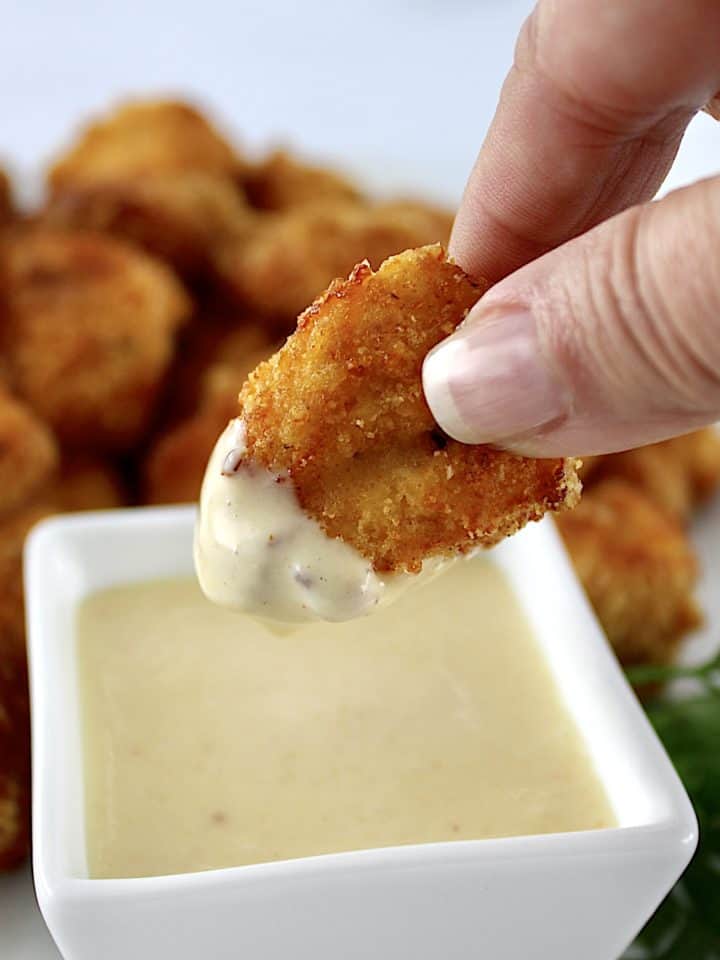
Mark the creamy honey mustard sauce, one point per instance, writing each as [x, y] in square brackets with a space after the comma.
[211, 740]
[256, 550]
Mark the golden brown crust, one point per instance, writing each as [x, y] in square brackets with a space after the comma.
[293, 256]
[145, 137]
[282, 181]
[87, 333]
[179, 217]
[638, 568]
[341, 408]
[28, 453]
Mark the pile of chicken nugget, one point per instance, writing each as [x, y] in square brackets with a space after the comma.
[163, 264]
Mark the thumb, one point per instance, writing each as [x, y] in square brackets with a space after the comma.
[608, 342]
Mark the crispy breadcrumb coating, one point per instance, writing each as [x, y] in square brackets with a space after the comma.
[141, 138]
[28, 452]
[340, 408]
[676, 474]
[178, 217]
[176, 463]
[638, 569]
[281, 181]
[293, 256]
[88, 332]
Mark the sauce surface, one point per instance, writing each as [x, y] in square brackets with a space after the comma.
[211, 740]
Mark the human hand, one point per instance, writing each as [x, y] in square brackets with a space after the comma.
[611, 339]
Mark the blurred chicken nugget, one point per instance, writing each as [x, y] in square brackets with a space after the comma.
[14, 712]
[28, 452]
[292, 257]
[14, 756]
[86, 483]
[179, 217]
[281, 181]
[340, 408]
[677, 474]
[7, 209]
[638, 569]
[88, 332]
[141, 138]
[176, 464]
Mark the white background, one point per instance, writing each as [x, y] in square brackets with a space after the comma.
[399, 92]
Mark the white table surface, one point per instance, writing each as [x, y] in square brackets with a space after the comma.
[399, 92]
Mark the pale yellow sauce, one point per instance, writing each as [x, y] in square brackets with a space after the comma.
[257, 551]
[212, 741]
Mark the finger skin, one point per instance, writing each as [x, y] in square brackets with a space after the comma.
[625, 325]
[588, 123]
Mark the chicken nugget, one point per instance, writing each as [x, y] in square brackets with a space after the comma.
[638, 568]
[14, 712]
[293, 256]
[14, 527]
[700, 452]
[141, 138]
[340, 411]
[675, 474]
[7, 209]
[281, 181]
[86, 483]
[28, 452]
[14, 754]
[176, 463]
[177, 216]
[88, 332]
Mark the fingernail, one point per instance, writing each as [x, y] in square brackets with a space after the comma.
[488, 382]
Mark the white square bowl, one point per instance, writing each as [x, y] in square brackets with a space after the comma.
[556, 896]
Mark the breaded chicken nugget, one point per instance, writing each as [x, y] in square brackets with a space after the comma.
[179, 217]
[14, 754]
[292, 257]
[86, 483]
[340, 408]
[676, 474]
[28, 452]
[638, 569]
[281, 181]
[700, 452]
[7, 210]
[176, 464]
[14, 715]
[88, 332]
[14, 527]
[141, 138]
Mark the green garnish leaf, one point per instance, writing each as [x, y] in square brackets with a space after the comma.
[686, 926]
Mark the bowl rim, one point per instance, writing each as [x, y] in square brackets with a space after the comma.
[674, 830]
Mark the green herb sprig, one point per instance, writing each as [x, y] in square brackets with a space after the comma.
[686, 926]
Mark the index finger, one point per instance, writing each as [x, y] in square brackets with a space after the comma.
[589, 120]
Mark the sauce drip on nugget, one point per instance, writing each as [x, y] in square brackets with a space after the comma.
[338, 415]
